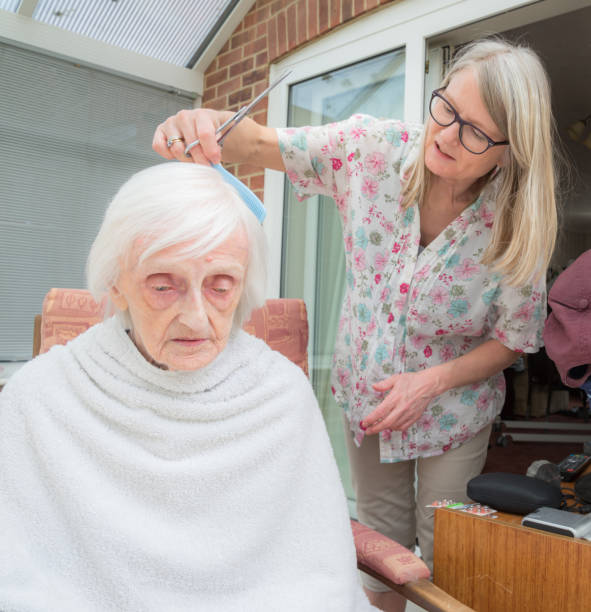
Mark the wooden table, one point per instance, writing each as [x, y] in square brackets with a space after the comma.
[498, 565]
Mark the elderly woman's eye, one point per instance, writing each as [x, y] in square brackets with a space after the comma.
[221, 285]
[159, 286]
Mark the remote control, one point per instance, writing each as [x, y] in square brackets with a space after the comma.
[573, 465]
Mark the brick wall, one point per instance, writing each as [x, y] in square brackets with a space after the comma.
[270, 30]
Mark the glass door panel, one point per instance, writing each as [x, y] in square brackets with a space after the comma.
[313, 261]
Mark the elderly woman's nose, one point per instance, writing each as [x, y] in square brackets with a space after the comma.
[193, 312]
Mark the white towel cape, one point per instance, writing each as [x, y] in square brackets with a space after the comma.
[124, 487]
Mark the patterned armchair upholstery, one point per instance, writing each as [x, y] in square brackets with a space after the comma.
[67, 313]
[283, 325]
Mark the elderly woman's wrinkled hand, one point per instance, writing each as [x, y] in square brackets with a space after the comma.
[172, 136]
[408, 395]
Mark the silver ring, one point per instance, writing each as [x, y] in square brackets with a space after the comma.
[172, 140]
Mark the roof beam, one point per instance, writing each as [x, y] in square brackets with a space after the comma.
[27, 8]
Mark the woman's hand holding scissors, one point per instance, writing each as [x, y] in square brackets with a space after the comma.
[198, 136]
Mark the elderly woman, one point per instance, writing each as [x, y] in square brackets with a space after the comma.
[448, 228]
[165, 459]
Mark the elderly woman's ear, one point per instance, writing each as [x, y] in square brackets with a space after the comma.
[118, 299]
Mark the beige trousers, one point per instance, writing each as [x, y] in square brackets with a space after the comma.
[386, 497]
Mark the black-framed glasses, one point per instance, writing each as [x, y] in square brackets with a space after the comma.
[472, 138]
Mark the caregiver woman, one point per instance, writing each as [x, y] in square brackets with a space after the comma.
[448, 229]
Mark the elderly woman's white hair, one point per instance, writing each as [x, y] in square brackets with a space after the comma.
[171, 204]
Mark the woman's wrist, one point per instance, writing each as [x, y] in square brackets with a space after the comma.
[249, 141]
[440, 379]
[481, 363]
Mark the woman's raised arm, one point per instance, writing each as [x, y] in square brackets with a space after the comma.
[247, 142]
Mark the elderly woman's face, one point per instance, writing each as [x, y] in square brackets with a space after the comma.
[182, 309]
[444, 154]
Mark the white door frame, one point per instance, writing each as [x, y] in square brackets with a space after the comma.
[408, 24]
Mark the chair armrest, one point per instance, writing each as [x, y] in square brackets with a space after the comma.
[37, 335]
[389, 559]
[401, 570]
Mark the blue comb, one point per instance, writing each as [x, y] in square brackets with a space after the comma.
[248, 197]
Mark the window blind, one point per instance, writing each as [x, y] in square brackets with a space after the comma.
[71, 135]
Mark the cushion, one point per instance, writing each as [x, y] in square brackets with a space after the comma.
[67, 313]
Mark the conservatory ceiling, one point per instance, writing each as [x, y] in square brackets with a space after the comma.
[173, 31]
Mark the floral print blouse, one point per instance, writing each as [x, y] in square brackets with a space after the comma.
[405, 311]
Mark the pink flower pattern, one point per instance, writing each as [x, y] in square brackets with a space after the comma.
[375, 163]
[525, 311]
[447, 352]
[369, 188]
[337, 164]
[348, 243]
[439, 295]
[467, 269]
[359, 258]
[380, 261]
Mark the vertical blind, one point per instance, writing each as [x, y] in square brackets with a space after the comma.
[71, 135]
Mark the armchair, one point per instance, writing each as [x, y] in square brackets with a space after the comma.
[283, 325]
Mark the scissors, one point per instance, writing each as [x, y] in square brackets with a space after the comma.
[239, 116]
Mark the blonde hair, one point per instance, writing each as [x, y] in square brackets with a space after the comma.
[515, 90]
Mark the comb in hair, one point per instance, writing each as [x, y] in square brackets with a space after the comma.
[248, 197]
